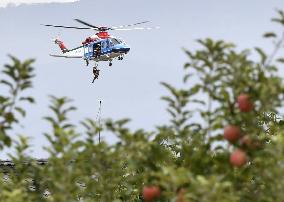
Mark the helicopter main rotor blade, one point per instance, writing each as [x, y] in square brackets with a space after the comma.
[101, 29]
[68, 27]
[136, 28]
[122, 26]
[87, 24]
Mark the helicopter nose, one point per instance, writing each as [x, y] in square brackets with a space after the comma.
[122, 50]
[126, 50]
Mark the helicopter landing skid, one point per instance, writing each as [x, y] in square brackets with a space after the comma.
[96, 73]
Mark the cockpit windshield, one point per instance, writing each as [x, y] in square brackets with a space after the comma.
[115, 41]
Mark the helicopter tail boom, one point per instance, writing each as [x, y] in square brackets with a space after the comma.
[77, 52]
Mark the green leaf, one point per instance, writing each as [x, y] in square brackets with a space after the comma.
[171, 113]
[9, 117]
[21, 111]
[262, 55]
[67, 126]
[186, 65]
[186, 77]
[50, 120]
[194, 90]
[168, 99]
[7, 83]
[122, 122]
[7, 141]
[29, 99]
[26, 85]
[188, 53]
[269, 35]
[280, 21]
[3, 99]
[281, 60]
[202, 102]
[69, 109]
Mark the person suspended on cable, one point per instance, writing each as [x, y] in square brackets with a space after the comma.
[96, 73]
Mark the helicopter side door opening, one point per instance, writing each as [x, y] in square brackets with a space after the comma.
[96, 50]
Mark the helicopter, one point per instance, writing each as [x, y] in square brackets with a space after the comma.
[101, 46]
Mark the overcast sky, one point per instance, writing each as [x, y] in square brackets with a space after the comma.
[5, 3]
[130, 88]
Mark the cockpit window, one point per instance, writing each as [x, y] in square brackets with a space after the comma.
[115, 41]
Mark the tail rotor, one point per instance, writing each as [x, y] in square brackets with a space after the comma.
[60, 43]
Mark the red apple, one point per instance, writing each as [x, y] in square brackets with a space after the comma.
[232, 133]
[151, 192]
[244, 103]
[238, 158]
[250, 143]
[246, 141]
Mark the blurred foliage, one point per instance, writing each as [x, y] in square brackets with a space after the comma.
[18, 78]
[187, 158]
